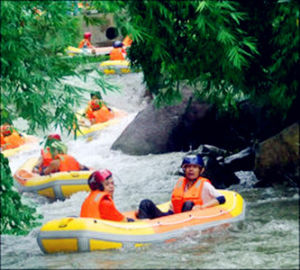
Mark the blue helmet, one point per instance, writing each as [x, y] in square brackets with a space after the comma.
[192, 159]
[117, 44]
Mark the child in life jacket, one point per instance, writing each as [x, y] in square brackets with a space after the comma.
[97, 111]
[10, 138]
[61, 161]
[191, 192]
[118, 52]
[99, 204]
[46, 157]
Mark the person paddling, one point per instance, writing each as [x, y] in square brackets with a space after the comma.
[191, 192]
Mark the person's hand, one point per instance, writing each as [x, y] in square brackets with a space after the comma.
[35, 169]
[197, 207]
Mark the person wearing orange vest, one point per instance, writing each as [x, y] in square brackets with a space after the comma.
[118, 52]
[10, 138]
[97, 111]
[191, 192]
[46, 157]
[99, 204]
[61, 161]
[86, 42]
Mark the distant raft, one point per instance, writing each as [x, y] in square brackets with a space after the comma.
[72, 51]
[29, 142]
[115, 67]
[57, 186]
[75, 234]
[87, 129]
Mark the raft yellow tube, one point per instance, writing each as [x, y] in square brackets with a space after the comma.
[59, 185]
[75, 234]
[72, 51]
[89, 129]
[28, 144]
[115, 66]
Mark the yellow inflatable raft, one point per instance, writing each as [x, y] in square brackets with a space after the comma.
[74, 234]
[29, 143]
[87, 129]
[59, 185]
[115, 66]
[72, 51]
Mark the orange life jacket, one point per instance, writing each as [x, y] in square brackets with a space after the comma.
[47, 158]
[117, 54]
[179, 196]
[67, 163]
[13, 141]
[85, 42]
[127, 41]
[101, 115]
[92, 204]
[2, 140]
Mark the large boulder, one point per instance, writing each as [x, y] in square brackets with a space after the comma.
[187, 125]
[153, 130]
[277, 158]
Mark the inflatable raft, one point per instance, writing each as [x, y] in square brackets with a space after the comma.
[28, 144]
[87, 129]
[74, 234]
[59, 185]
[115, 66]
[72, 51]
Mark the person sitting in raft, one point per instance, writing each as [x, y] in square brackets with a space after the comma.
[86, 42]
[61, 161]
[191, 192]
[46, 157]
[10, 138]
[99, 203]
[118, 52]
[97, 111]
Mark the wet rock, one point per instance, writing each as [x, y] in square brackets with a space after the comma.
[155, 130]
[241, 161]
[221, 175]
[277, 158]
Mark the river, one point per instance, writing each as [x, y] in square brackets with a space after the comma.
[268, 238]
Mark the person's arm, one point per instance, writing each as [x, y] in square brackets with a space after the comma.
[216, 197]
[83, 167]
[212, 202]
[109, 212]
[53, 167]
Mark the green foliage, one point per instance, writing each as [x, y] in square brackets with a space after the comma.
[16, 218]
[227, 50]
[34, 63]
[187, 41]
[272, 77]
[34, 37]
